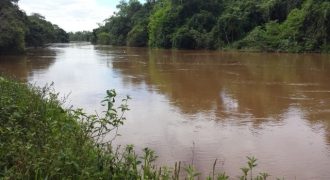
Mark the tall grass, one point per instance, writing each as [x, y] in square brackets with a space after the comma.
[41, 140]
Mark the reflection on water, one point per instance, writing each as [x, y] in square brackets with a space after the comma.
[22, 67]
[229, 105]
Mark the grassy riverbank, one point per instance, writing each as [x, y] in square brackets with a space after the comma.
[41, 140]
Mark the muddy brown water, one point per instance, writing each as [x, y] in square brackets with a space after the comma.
[198, 106]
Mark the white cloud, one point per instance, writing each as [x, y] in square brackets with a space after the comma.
[71, 15]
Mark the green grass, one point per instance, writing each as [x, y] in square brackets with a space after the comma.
[41, 140]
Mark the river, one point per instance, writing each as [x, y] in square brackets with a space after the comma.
[198, 106]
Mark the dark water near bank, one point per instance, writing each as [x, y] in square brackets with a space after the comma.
[201, 105]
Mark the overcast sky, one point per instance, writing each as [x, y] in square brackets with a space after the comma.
[71, 15]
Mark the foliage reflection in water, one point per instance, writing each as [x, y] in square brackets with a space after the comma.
[231, 105]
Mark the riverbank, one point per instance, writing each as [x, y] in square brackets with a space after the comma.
[40, 139]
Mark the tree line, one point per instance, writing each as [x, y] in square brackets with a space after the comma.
[266, 25]
[81, 36]
[18, 30]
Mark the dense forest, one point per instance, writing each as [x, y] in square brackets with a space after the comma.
[18, 30]
[266, 25]
[263, 25]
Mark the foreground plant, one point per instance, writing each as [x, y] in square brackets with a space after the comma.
[41, 140]
[252, 163]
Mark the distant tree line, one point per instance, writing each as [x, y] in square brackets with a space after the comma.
[267, 25]
[18, 31]
[81, 36]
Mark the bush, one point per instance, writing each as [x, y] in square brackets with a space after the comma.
[40, 139]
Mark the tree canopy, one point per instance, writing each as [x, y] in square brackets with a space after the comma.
[268, 25]
[18, 30]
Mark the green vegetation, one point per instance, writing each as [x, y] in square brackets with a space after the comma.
[41, 32]
[305, 29]
[127, 27]
[81, 36]
[18, 30]
[261, 25]
[41, 140]
[12, 29]
[266, 25]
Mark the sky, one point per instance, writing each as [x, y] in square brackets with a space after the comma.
[71, 15]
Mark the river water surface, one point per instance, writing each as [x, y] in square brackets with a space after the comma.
[198, 106]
